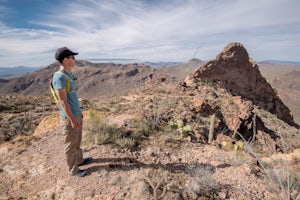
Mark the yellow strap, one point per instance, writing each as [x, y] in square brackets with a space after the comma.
[68, 84]
[68, 87]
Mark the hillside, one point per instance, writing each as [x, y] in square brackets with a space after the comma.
[118, 79]
[155, 142]
[115, 79]
[180, 71]
[285, 79]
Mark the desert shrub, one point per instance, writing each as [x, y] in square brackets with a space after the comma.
[125, 142]
[158, 111]
[103, 133]
[102, 138]
[201, 180]
[231, 157]
[158, 181]
[282, 181]
[142, 128]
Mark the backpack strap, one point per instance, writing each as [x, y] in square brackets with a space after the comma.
[68, 85]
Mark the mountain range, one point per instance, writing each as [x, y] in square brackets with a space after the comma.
[96, 79]
[12, 72]
[109, 79]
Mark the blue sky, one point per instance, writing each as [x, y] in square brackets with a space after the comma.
[147, 30]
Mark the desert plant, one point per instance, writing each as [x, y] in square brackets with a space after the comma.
[231, 156]
[102, 138]
[95, 122]
[158, 182]
[142, 128]
[211, 128]
[157, 112]
[179, 126]
[202, 182]
[125, 142]
[172, 125]
[102, 132]
[278, 174]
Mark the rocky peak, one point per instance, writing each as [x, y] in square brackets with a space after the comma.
[235, 51]
[234, 71]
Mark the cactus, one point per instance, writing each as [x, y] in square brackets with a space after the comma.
[187, 128]
[180, 127]
[172, 125]
[180, 130]
[211, 128]
[238, 146]
[179, 123]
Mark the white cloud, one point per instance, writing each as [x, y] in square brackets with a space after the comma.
[157, 30]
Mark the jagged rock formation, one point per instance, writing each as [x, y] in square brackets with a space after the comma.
[234, 71]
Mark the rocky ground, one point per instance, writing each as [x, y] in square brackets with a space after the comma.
[164, 165]
[35, 169]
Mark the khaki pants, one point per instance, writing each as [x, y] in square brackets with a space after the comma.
[73, 136]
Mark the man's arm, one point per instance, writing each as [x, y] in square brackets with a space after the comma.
[62, 97]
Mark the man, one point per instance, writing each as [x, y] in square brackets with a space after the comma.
[71, 114]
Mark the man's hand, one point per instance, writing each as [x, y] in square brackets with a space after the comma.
[75, 123]
[62, 96]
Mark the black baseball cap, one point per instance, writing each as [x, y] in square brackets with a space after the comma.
[62, 53]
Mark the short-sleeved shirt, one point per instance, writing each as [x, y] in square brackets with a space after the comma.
[60, 82]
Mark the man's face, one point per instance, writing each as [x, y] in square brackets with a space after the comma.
[70, 61]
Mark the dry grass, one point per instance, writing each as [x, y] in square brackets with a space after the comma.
[20, 115]
[280, 179]
[101, 132]
[126, 142]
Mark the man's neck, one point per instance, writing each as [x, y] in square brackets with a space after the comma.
[67, 69]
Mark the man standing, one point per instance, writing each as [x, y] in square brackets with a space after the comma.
[71, 114]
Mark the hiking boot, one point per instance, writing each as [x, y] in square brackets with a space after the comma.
[86, 161]
[81, 173]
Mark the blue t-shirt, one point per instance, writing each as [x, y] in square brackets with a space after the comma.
[60, 81]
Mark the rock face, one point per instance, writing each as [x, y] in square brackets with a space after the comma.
[234, 71]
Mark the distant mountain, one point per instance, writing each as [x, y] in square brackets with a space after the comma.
[12, 72]
[94, 79]
[99, 79]
[180, 71]
[162, 64]
[281, 62]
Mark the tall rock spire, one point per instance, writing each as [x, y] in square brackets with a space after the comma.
[234, 71]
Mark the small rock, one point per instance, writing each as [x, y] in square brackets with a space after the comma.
[222, 195]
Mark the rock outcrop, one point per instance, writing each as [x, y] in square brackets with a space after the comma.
[235, 72]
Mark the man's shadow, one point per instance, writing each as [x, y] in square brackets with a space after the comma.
[127, 164]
